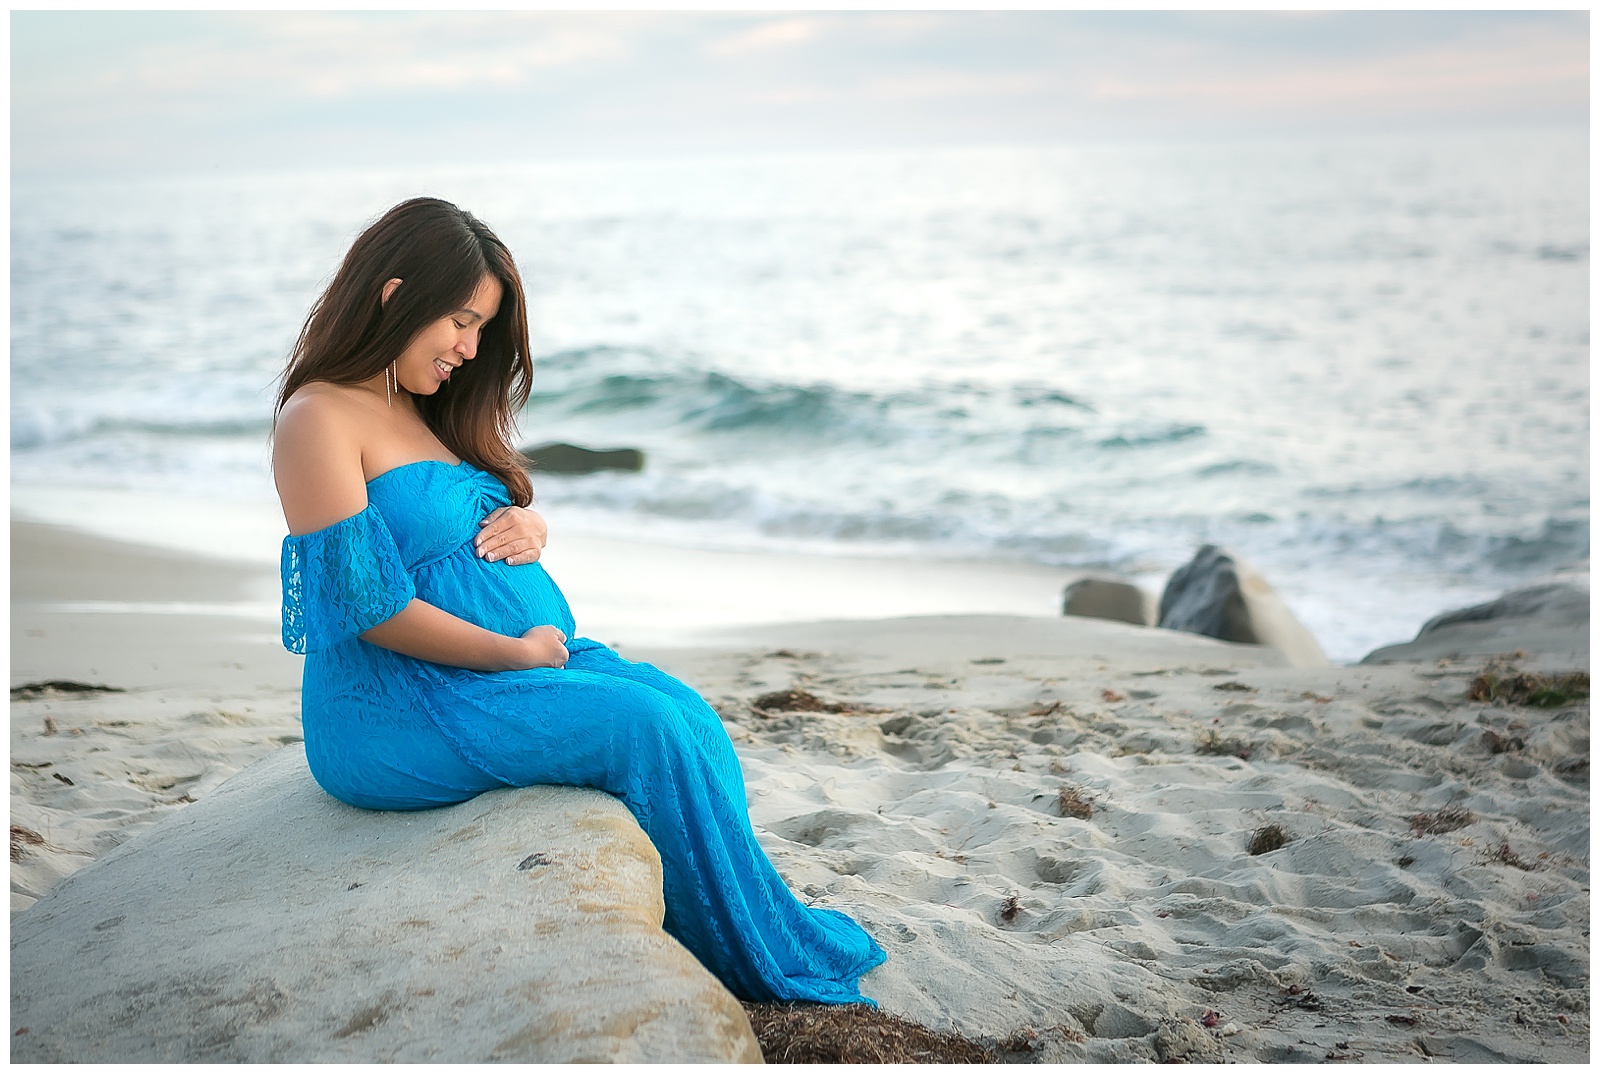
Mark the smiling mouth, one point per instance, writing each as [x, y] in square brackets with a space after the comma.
[444, 368]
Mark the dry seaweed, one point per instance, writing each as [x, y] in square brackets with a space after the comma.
[1575, 767]
[1298, 997]
[1499, 743]
[804, 701]
[1506, 855]
[59, 687]
[23, 838]
[852, 1033]
[1269, 838]
[1073, 802]
[1538, 690]
[1213, 744]
[1448, 819]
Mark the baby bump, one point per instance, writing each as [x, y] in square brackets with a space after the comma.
[505, 599]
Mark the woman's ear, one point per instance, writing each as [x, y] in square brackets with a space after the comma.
[388, 289]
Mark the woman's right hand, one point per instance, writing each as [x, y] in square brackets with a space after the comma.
[545, 647]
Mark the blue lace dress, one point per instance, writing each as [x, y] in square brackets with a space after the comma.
[386, 731]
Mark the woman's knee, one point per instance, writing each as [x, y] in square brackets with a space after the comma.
[607, 662]
[649, 718]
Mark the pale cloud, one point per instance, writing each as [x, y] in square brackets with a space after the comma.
[946, 85]
[329, 54]
[412, 61]
[1460, 71]
[105, 90]
[795, 95]
[777, 34]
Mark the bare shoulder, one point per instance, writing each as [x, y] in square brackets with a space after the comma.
[319, 408]
[316, 457]
[322, 417]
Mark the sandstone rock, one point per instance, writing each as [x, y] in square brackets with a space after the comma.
[1549, 620]
[1108, 598]
[571, 459]
[1221, 596]
[270, 923]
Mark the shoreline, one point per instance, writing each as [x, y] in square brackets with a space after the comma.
[675, 589]
[631, 588]
[624, 591]
[1046, 820]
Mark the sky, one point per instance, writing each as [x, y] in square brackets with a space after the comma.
[113, 92]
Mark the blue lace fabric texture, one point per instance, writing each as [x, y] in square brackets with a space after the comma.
[387, 731]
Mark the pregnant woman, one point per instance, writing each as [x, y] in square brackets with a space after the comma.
[441, 659]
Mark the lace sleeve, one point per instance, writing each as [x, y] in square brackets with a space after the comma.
[340, 581]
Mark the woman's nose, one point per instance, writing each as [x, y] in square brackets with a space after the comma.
[467, 347]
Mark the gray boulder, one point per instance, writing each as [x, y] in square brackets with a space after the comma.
[572, 459]
[1221, 596]
[1549, 621]
[270, 923]
[1109, 598]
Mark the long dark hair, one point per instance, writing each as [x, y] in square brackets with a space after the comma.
[442, 253]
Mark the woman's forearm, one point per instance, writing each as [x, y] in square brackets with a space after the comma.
[429, 633]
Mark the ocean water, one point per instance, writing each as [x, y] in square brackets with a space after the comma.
[1361, 363]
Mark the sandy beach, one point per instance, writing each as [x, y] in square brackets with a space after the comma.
[1122, 480]
[200, 687]
[1078, 840]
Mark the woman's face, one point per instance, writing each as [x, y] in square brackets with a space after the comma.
[440, 349]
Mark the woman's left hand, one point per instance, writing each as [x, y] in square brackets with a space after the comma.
[513, 534]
